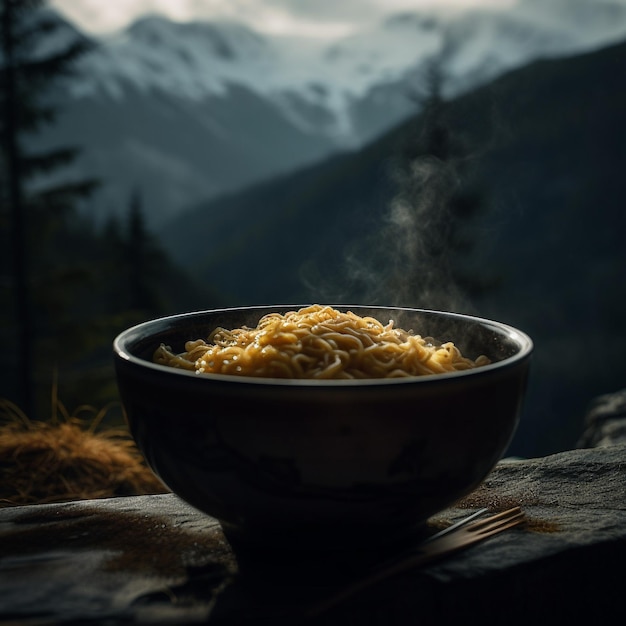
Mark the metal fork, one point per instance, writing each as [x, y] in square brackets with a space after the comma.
[448, 541]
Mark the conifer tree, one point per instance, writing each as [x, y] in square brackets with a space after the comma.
[27, 76]
[144, 260]
[437, 197]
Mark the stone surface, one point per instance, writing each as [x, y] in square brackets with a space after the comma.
[155, 560]
[118, 558]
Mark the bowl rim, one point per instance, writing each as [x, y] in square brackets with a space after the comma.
[121, 353]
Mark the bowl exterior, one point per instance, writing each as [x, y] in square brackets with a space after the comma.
[330, 462]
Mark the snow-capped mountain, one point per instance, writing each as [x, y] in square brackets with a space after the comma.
[185, 111]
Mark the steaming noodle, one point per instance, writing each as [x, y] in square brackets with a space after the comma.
[318, 342]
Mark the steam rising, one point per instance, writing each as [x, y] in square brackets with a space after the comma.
[415, 254]
[414, 235]
[406, 259]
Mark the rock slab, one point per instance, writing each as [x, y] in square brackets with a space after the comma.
[155, 560]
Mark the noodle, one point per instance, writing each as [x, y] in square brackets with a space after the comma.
[317, 342]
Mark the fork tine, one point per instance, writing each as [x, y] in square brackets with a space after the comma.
[496, 523]
[498, 516]
[503, 525]
[456, 526]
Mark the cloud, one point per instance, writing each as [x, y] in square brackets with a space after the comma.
[96, 16]
[288, 16]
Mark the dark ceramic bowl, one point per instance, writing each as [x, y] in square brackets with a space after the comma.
[323, 462]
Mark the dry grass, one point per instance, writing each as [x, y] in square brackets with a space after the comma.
[68, 457]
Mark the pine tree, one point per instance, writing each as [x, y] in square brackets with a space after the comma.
[144, 259]
[437, 197]
[26, 215]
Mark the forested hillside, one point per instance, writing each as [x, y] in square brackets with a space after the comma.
[67, 287]
[539, 158]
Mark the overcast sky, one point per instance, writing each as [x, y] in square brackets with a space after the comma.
[306, 17]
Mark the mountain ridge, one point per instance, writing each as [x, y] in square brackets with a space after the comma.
[225, 86]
